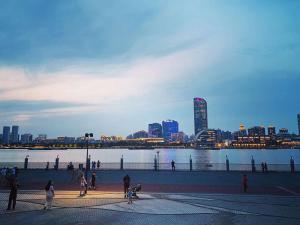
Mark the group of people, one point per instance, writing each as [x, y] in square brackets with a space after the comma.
[264, 167]
[94, 163]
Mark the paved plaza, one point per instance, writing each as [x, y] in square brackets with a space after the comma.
[151, 208]
[167, 197]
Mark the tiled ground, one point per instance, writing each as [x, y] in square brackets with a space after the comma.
[151, 208]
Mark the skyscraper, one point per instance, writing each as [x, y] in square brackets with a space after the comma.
[154, 130]
[200, 114]
[6, 135]
[169, 127]
[15, 134]
[298, 116]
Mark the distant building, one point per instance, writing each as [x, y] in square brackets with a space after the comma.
[140, 134]
[66, 140]
[298, 117]
[256, 131]
[113, 138]
[169, 127]
[200, 115]
[206, 139]
[26, 138]
[271, 131]
[15, 134]
[6, 135]
[242, 131]
[179, 137]
[283, 131]
[41, 138]
[154, 130]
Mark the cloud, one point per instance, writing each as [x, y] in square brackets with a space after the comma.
[102, 84]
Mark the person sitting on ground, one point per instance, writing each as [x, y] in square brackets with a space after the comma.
[245, 183]
[49, 189]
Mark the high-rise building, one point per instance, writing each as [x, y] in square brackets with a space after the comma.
[15, 134]
[243, 131]
[257, 131]
[26, 139]
[200, 115]
[271, 131]
[298, 117]
[206, 139]
[154, 130]
[6, 135]
[169, 127]
[140, 134]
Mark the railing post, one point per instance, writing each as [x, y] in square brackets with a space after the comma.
[292, 164]
[56, 163]
[26, 162]
[191, 163]
[121, 163]
[227, 164]
[253, 164]
[155, 163]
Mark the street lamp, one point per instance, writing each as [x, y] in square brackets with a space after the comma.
[87, 137]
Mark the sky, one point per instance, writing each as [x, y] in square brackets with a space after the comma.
[112, 67]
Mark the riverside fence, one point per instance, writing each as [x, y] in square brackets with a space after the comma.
[156, 166]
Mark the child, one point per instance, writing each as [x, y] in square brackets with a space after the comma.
[83, 184]
[129, 195]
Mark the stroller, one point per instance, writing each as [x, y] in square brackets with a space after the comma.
[136, 189]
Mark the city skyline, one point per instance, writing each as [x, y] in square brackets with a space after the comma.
[114, 68]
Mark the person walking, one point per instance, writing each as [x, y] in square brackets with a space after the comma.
[98, 165]
[14, 185]
[93, 181]
[83, 184]
[126, 182]
[173, 165]
[49, 189]
[245, 183]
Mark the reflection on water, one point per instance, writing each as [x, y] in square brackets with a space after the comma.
[278, 156]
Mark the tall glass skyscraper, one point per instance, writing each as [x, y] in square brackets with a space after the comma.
[6, 135]
[15, 134]
[200, 115]
[154, 130]
[169, 127]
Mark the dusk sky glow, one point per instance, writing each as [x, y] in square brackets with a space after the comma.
[112, 67]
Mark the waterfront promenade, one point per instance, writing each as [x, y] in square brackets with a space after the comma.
[180, 197]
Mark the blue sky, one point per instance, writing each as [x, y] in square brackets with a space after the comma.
[112, 67]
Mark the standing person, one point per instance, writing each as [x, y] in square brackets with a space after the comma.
[93, 165]
[98, 165]
[173, 165]
[83, 184]
[245, 183]
[266, 167]
[13, 193]
[49, 189]
[93, 181]
[262, 167]
[126, 181]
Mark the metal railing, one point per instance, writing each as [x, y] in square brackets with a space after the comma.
[151, 166]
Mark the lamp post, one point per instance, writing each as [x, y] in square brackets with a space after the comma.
[87, 137]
